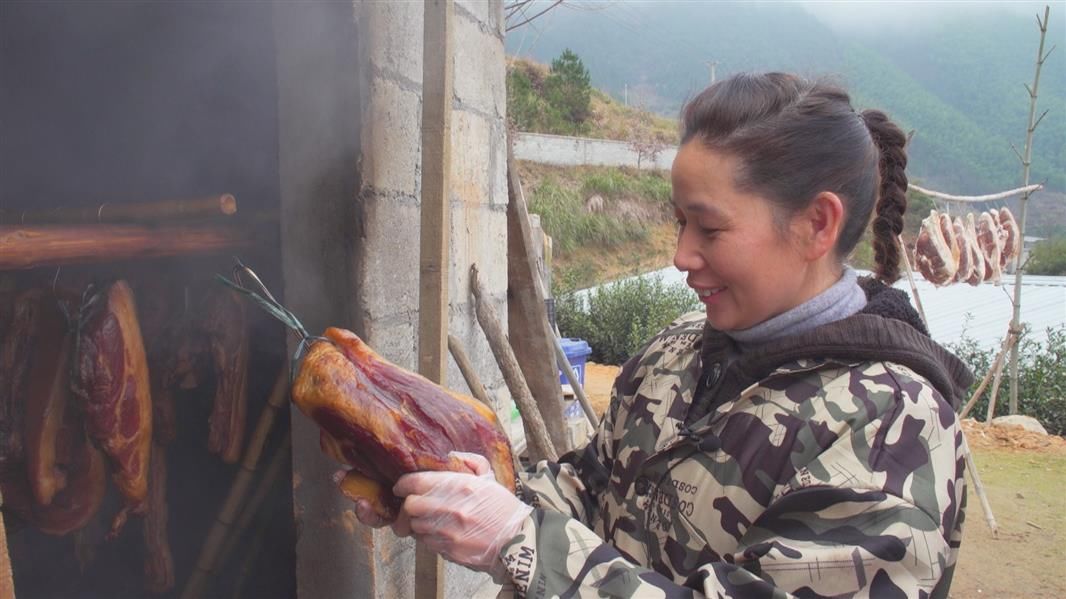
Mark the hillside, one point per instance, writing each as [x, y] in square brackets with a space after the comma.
[957, 82]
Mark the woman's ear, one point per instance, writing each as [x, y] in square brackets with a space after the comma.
[820, 224]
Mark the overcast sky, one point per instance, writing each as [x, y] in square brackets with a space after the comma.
[862, 15]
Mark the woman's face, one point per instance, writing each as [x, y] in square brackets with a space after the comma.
[743, 267]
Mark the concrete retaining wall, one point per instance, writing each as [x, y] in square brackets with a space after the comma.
[561, 150]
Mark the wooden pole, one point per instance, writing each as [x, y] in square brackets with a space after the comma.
[31, 247]
[575, 383]
[435, 227]
[472, 381]
[996, 365]
[973, 199]
[997, 377]
[979, 488]
[1015, 323]
[527, 321]
[219, 205]
[209, 553]
[540, 445]
[469, 374]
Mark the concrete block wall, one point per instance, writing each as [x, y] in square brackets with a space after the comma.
[385, 274]
[562, 150]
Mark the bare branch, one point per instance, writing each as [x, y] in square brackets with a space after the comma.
[517, 25]
[985, 198]
[514, 7]
[1040, 119]
[1028, 89]
[1048, 54]
[1017, 153]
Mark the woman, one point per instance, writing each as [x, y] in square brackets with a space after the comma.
[798, 437]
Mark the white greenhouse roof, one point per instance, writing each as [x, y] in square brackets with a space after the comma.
[981, 313]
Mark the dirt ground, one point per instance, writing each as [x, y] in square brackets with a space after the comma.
[1024, 476]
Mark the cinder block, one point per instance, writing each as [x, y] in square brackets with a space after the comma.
[488, 12]
[471, 157]
[478, 68]
[389, 277]
[394, 37]
[392, 138]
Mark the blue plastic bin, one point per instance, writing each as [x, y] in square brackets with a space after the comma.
[577, 352]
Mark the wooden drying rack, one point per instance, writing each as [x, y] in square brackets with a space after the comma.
[108, 232]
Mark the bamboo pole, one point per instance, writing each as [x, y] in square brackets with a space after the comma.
[996, 364]
[208, 559]
[910, 279]
[262, 489]
[30, 247]
[1026, 162]
[7, 579]
[539, 442]
[997, 377]
[218, 205]
[979, 488]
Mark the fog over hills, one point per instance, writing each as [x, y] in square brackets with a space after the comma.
[953, 72]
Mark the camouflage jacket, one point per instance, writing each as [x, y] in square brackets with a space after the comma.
[837, 475]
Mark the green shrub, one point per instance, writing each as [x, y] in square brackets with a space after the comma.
[617, 319]
[1048, 258]
[1041, 378]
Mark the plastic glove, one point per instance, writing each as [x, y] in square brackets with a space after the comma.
[467, 518]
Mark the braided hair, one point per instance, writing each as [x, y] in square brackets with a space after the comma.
[795, 138]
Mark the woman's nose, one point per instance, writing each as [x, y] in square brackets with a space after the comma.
[687, 256]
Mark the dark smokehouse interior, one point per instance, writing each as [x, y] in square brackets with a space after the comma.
[131, 381]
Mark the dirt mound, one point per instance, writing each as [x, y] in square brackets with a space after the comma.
[985, 436]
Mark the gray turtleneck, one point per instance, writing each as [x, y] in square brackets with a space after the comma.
[839, 301]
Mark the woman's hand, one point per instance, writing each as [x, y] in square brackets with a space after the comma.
[466, 518]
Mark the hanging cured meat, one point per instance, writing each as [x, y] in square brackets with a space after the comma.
[46, 403]
[1011, 236]
[936, 252]
[111, 382]
[85, 471]
[17, 345]
[385, 421]
[226, 328]
[989, 240]
[966, 262]
[977, 257]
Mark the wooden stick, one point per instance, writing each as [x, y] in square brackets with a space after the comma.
[30, 247]
[469, 375]
[1027, 189]
[910, 279]
[575, 383]
[527, 323]
[434, 242]
[979, 488]
[7, 579]
[478, 389]
[997, 370]
[262, 489]
[984, 383]
[539, 442]
[212, 546]
[129, 212]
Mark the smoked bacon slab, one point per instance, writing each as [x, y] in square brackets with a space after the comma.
[384, 421]
[111, 382]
